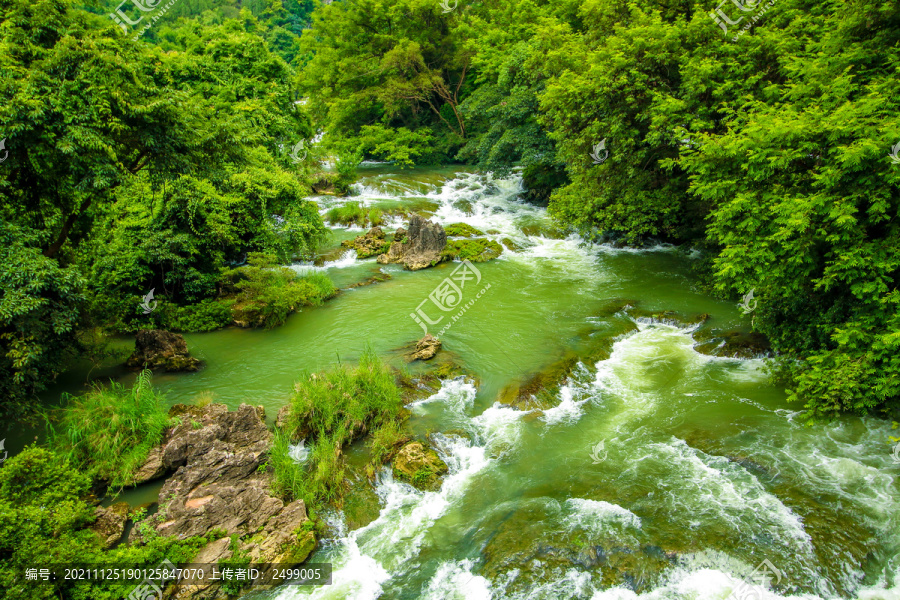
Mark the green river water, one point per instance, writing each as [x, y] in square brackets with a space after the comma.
[660, 473]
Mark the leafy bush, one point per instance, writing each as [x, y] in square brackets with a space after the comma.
[268, 293]
[108, 432]
[332, 409]
[44, 520]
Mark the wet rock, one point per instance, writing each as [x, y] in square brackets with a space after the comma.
[163, 350]
[422, 248]
[368, 245]
[733, 344]
[668, 317]
[426, 348]
[510, 245]
[538, 391]
[378, 277]
[474, 250]
[462, 230]
[153, 467]
[110, 523]
[419, 465]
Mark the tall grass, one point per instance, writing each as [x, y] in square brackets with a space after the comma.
[330, 410]
[109, 431]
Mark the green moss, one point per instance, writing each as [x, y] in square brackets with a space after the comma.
[475, 250]
[462, 230]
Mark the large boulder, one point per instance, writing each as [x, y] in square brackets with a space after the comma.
[163, 350]
[424, 242]
[419, 465]
[218, 484]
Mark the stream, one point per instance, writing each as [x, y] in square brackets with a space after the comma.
[658, 472]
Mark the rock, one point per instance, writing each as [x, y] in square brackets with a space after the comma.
[426, 348]
[370, 244]
[160, 349]
[462, 230]
[733, 344]
[153, 467]
[473, 249]
[110, 523]
[422, 248]
[219, 485]
[419, 466]
[282, 416]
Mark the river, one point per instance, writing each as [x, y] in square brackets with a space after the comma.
[659, 472]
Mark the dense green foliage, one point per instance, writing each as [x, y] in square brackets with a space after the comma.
[766, 147]
[43, 520]
[134, 167]
[108, 432]
[329, 410]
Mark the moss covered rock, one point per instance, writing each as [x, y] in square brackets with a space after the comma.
[462, 230]
[420, 466]
[474, 250]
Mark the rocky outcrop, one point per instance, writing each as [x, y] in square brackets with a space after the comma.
[426, 348]
[219, 485]
[163, 350]
[424, 242]
[370, 244]
[419, 465]
[110, 523]
[732, 344]
[473, 250]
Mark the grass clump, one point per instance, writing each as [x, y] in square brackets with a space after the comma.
[109, 431]
[330, 410]
[350, 213]
[462, 230]
[474, 250]
[266, 293]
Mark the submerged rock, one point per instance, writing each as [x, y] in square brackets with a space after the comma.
[732, 344]
[163, 350]
[419, 465]
[422, 248]
[426, 348]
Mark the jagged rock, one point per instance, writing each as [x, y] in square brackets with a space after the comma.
[160, 349]
[370, 244]
[218, 485]
[426, 348]
[733, 344]
[153, 467]
[422, 248]
[110, 523]
[419, 465]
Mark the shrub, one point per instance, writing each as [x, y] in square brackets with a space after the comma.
[462, 230]
[109, 431]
